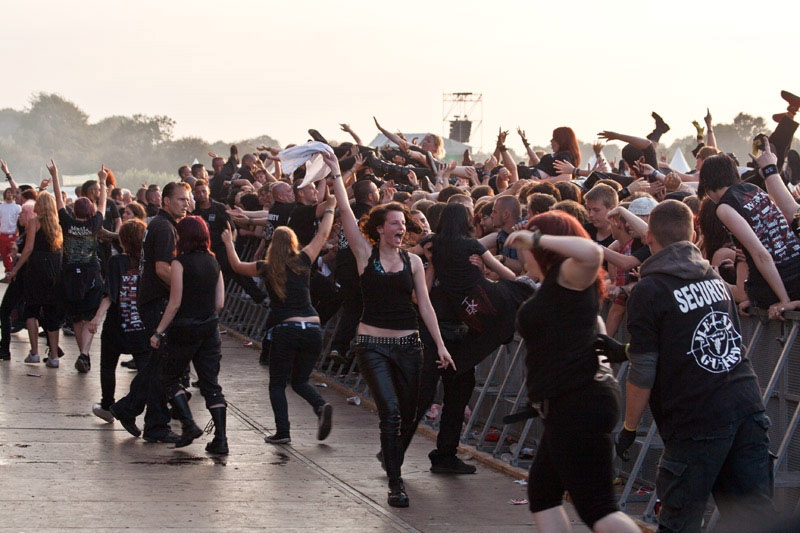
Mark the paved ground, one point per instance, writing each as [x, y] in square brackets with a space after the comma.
[62, 468]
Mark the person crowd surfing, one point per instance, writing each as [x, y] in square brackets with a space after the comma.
[517, 247]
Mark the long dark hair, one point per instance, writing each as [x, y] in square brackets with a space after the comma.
[454, 224]
[713, 234]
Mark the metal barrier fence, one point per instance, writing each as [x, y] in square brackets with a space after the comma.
[771, 346]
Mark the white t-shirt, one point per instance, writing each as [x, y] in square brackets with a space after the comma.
[9, 213]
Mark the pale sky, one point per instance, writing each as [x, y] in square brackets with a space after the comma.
[237, 69]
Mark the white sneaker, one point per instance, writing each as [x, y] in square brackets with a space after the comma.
[32, 358]
[103, 413]
[51, 362]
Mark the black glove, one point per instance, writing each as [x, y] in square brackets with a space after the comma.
[624, 441]
[613, 350]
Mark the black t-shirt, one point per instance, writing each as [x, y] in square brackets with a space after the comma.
[123, 320]
[151, 210]
[559, 326]
[455, 274]
[159, 243]
[304, 222]
[112, 214]
[80, 237]
[218, 219]
[297, 301]
[200, 278]
[278, 216]
[703, 380]
[640, 250]
[591, 229]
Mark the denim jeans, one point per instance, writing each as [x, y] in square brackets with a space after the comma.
[732, 463]
[392, 373]
[293, 353]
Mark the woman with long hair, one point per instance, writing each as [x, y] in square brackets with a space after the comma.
[476, 316]
[296, 337]
[41, 263]
[760, 228]
[191, 326]
[578, 397]
[387, 344]
[83, 284]
[123, 329]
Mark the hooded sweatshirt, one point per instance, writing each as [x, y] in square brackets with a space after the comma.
[686, 345]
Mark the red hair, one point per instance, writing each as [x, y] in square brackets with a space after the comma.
[561, 223]
[193, 235]
[568, 142]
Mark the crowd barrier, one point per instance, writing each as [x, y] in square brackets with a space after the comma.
[500, 390]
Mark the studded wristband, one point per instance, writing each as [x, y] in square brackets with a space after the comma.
[769, 170]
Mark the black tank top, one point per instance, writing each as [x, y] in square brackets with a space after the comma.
[387, 295]
[559, 326]
[200, 277]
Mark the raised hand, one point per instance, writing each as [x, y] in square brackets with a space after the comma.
[44, 184]
[522, 135]
[52, 169]
[212, 155]
[4, 167]
[598, 148]
[608, 135]
[102, 174]
[707, 118]
[501, 137]
[345, 128]
[359, 162]
[643, 168]
[638, 185]
[766, 157]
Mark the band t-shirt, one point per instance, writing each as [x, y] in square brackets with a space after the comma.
[278, 216]
[80, 237]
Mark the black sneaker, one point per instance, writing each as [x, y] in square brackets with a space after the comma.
[83, 364]
[324, 421]
[449, 464]
[276, 439]
[5, 355]
[169, 437]
[128, 423]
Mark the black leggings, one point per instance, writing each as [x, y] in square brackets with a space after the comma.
[392, 373]
[575, 453]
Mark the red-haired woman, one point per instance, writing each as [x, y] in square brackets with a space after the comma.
[387, 345]
[190, 322]
[579, 398]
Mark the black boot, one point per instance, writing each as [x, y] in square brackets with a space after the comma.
[397, 493]
[190, 431]
[389, 171]
[220, 443]
[173, 413]
[317, 136]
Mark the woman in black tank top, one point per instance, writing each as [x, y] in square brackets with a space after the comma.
[387, 345]
[191, 325]
[579, 400]
[296, 337]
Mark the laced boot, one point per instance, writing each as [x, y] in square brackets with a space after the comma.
[190, 431]
[220, 443]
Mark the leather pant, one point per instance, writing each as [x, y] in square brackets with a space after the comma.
[392, 373]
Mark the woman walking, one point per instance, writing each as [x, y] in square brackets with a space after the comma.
[191, 325]
[579, 399]
[387, 345]
[296, 337]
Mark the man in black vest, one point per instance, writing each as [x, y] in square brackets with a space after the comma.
[687, 360]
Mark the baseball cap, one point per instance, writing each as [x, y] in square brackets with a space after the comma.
[642, 206]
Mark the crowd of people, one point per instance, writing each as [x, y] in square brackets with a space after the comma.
[432, 263]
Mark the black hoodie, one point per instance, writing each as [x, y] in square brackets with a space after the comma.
[684, 325]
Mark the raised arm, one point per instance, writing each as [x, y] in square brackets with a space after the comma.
[346, 128]
[102, 176]
[710, 138]
[53, 170]
[584, 257]
[639, 142]
[396, 139]
[11, 182]
[776, 188]
[533, 159]
[359, 245]
[245, 269]
[313, 248]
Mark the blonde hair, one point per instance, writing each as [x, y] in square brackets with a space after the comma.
[439, 142]
[45, 209]
[283, 252]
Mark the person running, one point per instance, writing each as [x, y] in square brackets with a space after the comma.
[123, 328]
[387, 345]
[579, 399]
[296, 338]
[191, 326]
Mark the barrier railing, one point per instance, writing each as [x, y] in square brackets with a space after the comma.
[771, 346]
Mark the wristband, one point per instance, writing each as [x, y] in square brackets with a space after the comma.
[769, 170]
[337, 176]
[655, 174]
[159, 336]
[537, 236]
[329, 211]
[626, 428]
[503, 148]
[575, 171]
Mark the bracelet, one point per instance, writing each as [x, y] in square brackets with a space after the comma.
[503, 148]
[769, 170]
[575, 171]
[337, 176]
[537, 236]
[331, 211]
[626, 428]
[158, 335]
[655, 174]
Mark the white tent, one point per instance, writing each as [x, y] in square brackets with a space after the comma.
[679, 162]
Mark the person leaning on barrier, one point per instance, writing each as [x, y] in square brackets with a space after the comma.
[688, 362]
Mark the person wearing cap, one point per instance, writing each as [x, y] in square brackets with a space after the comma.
[688, 362]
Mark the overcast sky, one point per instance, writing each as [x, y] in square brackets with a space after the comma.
[237, 69]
